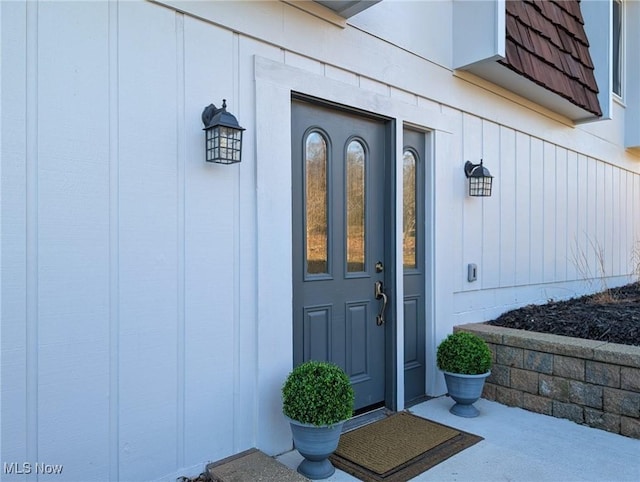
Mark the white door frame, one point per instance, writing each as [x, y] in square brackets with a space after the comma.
[274, 83]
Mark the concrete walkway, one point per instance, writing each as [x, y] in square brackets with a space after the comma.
[522, 446]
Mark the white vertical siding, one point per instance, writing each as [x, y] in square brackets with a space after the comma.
[548, 192]
[557, 218]
[556, 215]
[445, 177]
[114, 251]
[601, 221]
[507, 193]
[562, 199]
[572, 213]
[578, 244]
[148, 239]
[522, 215]
[633, 232]
[489, 266]
[144, 291]
[614, 235]
[121, 246]
[213, 230]
[72, 223]
[536, 211]
[590, 230]
[471, 232]
[13, 349]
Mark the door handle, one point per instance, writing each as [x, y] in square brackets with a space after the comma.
[380, 294]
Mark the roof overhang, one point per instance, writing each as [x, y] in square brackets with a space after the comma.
[347, 8]
[500, 75]
[479, 33]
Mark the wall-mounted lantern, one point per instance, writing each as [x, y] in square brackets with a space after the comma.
[223, 135]
[480, 179]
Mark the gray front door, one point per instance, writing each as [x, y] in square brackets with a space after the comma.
[339, 244]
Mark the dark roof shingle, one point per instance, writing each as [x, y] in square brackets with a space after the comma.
[546, 42]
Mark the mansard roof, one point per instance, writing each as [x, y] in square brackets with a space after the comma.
[546, 43]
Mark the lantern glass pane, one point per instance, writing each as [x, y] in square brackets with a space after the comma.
[237, 146]
[224, 134]
[223, 144]
[480, 186]
[487, 186]
[210, 145]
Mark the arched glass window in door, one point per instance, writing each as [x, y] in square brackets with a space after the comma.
[409, 216]
[355, 196]
[316, 204]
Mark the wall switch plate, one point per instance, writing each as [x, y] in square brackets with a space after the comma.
[472, 272]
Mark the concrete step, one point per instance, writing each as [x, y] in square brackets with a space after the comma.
[252, 466]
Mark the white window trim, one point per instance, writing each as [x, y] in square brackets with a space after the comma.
[622, 71]
[598, 23]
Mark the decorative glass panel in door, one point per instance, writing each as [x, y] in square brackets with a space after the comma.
[316, 203]
[355, 195]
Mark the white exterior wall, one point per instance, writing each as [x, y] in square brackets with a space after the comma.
[146, 295]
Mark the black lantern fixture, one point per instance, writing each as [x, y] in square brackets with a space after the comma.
[223, 142]
[480, 179]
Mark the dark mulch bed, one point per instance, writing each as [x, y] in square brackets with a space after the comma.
[612, 316]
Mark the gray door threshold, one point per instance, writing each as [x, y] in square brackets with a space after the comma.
[366, 418]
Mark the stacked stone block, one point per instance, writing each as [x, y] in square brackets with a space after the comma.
[590, 382]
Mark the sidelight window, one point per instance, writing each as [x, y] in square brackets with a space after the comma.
[409, 217]
[617, 51]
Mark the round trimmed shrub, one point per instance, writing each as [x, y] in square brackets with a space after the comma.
[318, 393]
[464, 353]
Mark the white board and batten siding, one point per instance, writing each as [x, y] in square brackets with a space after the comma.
[559, 223]
[146, 295]
[122, 349]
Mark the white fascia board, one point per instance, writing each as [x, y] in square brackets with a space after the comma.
[598, 18]
[479, 32]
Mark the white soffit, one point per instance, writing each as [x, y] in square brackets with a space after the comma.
[516, 83]
[347, 8]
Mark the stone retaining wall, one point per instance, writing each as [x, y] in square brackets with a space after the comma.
[590, 382]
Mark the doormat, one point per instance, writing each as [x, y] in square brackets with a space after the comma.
[398, 448]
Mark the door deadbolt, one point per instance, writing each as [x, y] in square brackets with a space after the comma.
[379, 267]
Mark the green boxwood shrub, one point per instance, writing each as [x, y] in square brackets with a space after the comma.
[318, 393]
[464, 353]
